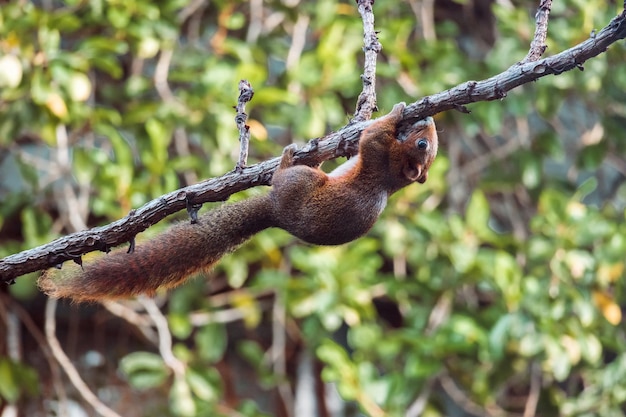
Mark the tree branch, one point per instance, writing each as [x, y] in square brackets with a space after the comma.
[366, 102]
[497, 87]
[538, 45]
[68, 366]
[340, 143]
[246, 92]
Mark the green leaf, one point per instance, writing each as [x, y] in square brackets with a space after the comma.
[181, 400]
[212, 341]
[118, 16]
[202, 386]
[160, 137]
[462, 256]
[144, 370]
[180, 325]
[592, 156]
[499, 336]
[9, 389]
[477, 213]
[531, 173]
[251, 351]
[17, 380]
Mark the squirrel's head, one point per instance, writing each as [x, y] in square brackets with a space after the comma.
[419, 145]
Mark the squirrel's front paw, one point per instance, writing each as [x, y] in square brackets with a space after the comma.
[286, 160]
[398, 109]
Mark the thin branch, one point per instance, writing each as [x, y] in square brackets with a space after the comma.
[13, 335]
[418, 406]
[366, 103]
[165, 336]
[481, 161]
[497, 87]
[228, 315]
[535, 390]
[245, 95]
[55, 373]
[255, 25]
[424, 11]
[538, 45]
[340, 143]
[298, 41]
[461, 399]
[181, 144]
[142, 323]
[438, 316]
[439, 313]
[14, 351]
[190, 10]
[278, 354]
[161, 73]
[73, 209]
[67, 365]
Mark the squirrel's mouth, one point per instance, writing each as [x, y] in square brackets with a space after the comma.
[416, 172]
[423, 175]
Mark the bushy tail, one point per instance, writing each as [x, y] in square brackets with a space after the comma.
[165, 261]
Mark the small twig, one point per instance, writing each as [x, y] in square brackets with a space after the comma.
[161, 73]
[462, 400]
[228, 315]
[278, 350]
[132, 317]
[67, 365]
[181, 144]
[481, 161]
[36, 333]
[190, 10]
[418, 406]
[535, 390]
[439, 314]
[366, 102]
[245, 95]
[165, 336]
[255, 25]
[424, 11]
[13, 339]
[13, 335]
[369, 405]
[73, 209]
[298, 41]
[538, 45]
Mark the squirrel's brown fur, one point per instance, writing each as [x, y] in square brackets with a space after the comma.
[319, 208]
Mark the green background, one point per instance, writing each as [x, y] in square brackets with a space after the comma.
[496, 288]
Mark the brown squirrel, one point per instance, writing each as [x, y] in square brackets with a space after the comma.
[319, 208]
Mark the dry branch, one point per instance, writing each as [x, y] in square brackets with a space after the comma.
[366, 102]
[497, 87]
[245, 95]
[538, 45]
[340, 143]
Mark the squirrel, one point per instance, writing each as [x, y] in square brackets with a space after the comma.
[318, 208]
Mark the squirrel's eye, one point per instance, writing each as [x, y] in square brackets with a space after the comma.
[422, 144]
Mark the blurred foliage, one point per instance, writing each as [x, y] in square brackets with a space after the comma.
[497, 286]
